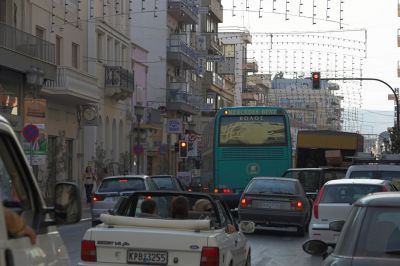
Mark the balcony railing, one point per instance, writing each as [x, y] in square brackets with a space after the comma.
[217, 80]
[251, 66]
[26, 44]
[183, 11]
[181, 53]
[215, 7]
[179, 99]
[118, 82]
[178, 43]
[74, 82]
[116, 76]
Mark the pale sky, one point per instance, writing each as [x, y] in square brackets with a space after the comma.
[378, 17]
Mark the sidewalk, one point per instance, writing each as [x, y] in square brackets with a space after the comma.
[86, 215]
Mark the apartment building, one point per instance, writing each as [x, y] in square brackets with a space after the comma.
[236, 66]
[256, 91]
[72, 61]
[317, 109]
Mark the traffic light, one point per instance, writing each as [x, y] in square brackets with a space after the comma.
[316, 80]
[183, 148]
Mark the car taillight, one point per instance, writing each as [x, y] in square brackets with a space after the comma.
[97, 198]
[317, 201]
[88, 250]
[223, 190]
[297, 205]
[209, 256]
[244, 202]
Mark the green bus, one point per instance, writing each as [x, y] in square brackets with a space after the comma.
[241, 143]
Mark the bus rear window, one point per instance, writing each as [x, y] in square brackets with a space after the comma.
[252, 130]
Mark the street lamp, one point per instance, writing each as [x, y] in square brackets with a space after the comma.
[139, 111]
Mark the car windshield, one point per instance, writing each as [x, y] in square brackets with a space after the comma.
[380, 233]
[272, 186]
[310, 180]
[347, 193]
[164, 182]
[122, 184]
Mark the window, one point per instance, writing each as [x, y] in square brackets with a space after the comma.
[58, 50]
[109, 50]
[229, 50]
[122, 184]
[3, 11]
[14, 190]
[40, 33]
[380, 233]
[75, 55]
[124, 56]
[100, 37]
[252, 130]
[272, 187]
[117, 55]
[69, 153]
[347, 193]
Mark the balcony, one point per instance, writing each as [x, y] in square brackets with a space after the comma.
[180, 53]
[182, 11]
[213, 79]
[118, 82]
[215, 7]
[179, 100]
[251, 66]
[73, 86]
[213, 44]
[19, 50]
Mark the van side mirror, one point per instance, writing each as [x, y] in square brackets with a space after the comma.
[315, 248]
[67, 203]
[336, 226]
[247, 227]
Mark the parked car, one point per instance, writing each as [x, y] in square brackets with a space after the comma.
[201, 238]
[370, 236]
[111, 188]
[334, 203]
[376, 171]
[167, 182]
[313, 179]
[20, 193]
[275, 202]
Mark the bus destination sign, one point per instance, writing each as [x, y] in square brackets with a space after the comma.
[253, 112]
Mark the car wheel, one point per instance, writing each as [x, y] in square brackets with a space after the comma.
[301, 231]
[248, 260]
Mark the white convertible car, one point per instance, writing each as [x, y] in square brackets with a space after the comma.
[168, 228]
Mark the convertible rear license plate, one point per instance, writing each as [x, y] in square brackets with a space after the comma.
[151, 257]
[271, 205]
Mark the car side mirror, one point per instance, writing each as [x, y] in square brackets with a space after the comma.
[67, 203]
[315, 248]
[247, 227]
[336, 226]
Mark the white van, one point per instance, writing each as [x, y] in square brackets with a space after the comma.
[375, 171]
[19, 192]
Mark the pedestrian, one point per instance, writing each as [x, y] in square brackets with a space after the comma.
[88, 182]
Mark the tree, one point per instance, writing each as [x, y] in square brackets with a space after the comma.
[394, 134]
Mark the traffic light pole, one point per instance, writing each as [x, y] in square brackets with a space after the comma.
[381, 81]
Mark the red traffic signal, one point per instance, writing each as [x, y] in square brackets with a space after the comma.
[183, 148]
[316, 80]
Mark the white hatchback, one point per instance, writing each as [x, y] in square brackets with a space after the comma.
[334, 202]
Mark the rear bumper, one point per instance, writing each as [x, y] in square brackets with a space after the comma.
[273, 217]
